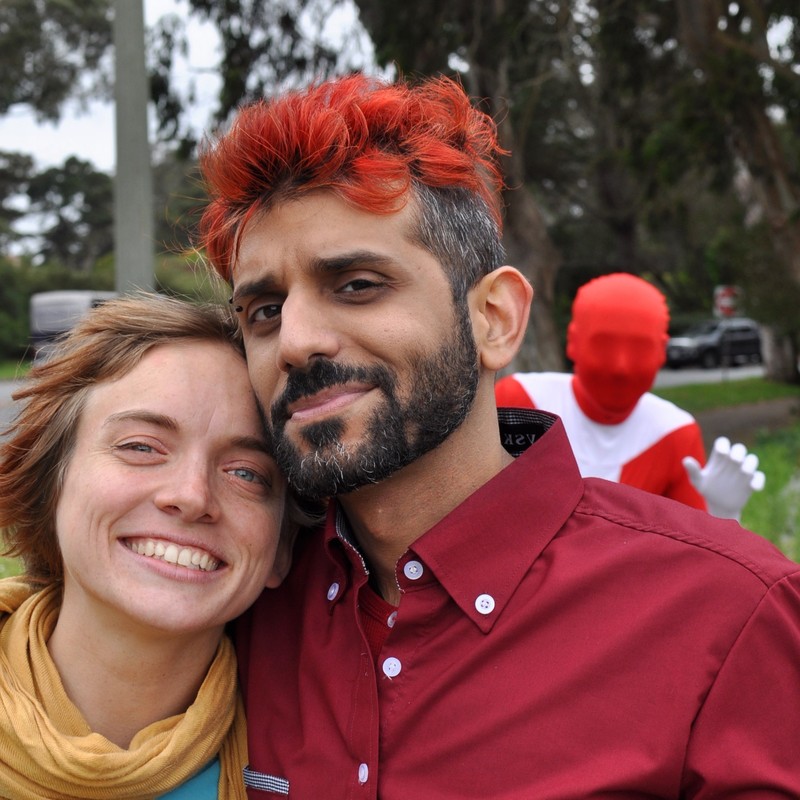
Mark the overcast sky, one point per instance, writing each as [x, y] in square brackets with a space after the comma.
[90, 134]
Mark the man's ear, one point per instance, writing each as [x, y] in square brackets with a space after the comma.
[500, 304]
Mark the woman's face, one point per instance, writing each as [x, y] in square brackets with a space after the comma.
[170, 512]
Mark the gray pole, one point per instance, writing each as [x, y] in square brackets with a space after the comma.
[133, 183]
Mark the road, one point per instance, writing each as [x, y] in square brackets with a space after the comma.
[6, 404]
[666, 377]
[684, 377]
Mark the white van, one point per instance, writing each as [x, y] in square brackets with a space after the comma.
[54, 313]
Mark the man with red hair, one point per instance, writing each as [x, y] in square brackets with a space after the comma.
[473, 619]
[618, 430]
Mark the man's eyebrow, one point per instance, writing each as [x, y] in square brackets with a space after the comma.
[254, 288]
[355, 258]
[320, 266]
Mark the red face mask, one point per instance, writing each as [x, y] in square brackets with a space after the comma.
[616, 340]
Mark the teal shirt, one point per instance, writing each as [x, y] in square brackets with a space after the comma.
[202, 786]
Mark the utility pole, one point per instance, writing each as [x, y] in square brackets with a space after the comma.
[134, 229]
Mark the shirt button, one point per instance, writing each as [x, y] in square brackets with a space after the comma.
[391, 619]
[333, 590]
[363, 773]
[484, 603]
[392, 667]
[413, 570]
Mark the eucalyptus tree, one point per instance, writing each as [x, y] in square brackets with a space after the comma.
[51, 51]
[752, 92]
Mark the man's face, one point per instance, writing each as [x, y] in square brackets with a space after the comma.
[616, 359]
[354, 347]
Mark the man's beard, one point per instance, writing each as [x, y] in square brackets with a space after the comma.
[397, 432]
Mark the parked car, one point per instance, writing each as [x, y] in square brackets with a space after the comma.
[716, 342]
[54, 313]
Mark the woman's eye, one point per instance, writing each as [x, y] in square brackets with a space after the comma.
[137, 447]
[249, 475]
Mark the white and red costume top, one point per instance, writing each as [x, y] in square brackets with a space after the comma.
[645, 450]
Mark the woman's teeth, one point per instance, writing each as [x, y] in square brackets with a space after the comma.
[187, 557]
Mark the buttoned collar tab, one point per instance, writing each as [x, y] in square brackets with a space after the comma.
[481, 550]
[348, 565]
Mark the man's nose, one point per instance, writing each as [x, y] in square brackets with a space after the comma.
[306, 332]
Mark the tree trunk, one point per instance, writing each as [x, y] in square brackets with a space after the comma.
[780, 354]
[530, 249]
[527, 241]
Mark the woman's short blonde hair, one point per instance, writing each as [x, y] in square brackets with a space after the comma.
[106, 344]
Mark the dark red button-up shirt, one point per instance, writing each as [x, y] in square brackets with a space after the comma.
[556, 638]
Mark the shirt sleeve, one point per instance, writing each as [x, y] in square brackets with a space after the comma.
[508, 393]
[744, 743]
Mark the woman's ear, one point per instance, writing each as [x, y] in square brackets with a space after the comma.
[500, 304]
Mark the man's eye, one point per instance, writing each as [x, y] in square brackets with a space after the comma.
[265, 312]
[358, 285]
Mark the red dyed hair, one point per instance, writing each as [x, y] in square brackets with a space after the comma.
[366, 139]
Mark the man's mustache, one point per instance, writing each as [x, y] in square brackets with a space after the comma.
[324, 374]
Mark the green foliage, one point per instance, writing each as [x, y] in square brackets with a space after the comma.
[265, 44]
[20, 279]
[77, 202]
[189, 277]
[13, 370]
[9, 567]
[15, 172]
[48, 51]
[775, 511]
[184, 276]
[13, 310]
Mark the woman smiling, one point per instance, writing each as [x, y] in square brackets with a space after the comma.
[137, 486]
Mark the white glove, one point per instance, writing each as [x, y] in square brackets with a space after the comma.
[728, 479]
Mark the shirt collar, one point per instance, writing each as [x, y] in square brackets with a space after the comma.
[487, 544]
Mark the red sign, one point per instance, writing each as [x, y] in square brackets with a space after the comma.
[726, 301]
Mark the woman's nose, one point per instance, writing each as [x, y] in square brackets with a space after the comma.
[189, 492]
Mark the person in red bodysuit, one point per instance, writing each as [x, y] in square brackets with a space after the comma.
[618, 429]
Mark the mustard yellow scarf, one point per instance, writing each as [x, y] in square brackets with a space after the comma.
[47, 750]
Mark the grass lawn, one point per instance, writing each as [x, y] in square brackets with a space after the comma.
[775, 511]
[706, 396]
[8, 567]
[11, 370]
